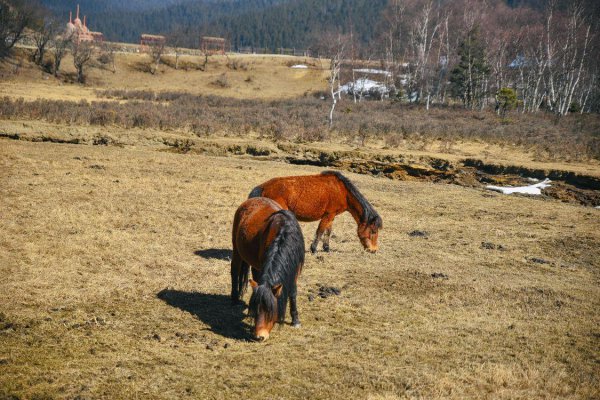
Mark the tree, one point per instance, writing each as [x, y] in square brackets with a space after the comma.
[176, 40]
[43, 33]
[506, 100]
[468, 79]
[59, 48]
[107, 56]
[82, 54]
[334, 45]
[14, 18]
[425, 30]
[572, 57]
[157, 49]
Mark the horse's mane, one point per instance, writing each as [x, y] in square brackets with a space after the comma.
[282, 259]
[369, 215]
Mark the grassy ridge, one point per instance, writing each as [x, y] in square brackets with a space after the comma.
[303, 119]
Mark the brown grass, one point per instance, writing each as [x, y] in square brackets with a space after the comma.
[224, 142]
[113, 257]
[270, 74]
[93, 235]
[247, 94]
[303, 120]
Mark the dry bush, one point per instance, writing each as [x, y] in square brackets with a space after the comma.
[573, 138]
[393, 140]
[235, 64]
[221, 81]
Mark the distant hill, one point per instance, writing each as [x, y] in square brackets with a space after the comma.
[299, 23]
[126, 20]
[258, 23]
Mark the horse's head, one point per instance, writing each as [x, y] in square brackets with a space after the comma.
[263, 307]
[368, 233]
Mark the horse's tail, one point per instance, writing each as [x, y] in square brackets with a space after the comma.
[256, 192]
[243, 279]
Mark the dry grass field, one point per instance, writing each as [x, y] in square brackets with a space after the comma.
[114, 252]
[115, 279]
[247, 76]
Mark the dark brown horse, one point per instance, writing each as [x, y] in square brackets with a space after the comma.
[268, 239]
[322, 197]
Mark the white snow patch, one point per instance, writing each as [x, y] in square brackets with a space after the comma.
[531, 189]
[373, 71]
[299, 66]
[363, 85]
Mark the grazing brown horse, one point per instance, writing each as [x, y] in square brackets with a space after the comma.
[322, 197]
[268, 239]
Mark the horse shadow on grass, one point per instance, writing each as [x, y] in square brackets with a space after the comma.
[215, 310]
[217, 254]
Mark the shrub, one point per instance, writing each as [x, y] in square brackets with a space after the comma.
[506, 100]
[304, 119]
[221, 81]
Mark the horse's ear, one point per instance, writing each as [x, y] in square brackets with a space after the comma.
[277, 290]
[253, 283]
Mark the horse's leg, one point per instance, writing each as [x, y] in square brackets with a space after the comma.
[326, 236]
[294, 309]
[324, 225]
[236, 268]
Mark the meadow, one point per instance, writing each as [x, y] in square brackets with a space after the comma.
[116, 242]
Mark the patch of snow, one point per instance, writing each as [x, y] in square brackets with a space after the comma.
[363, 85]
[534, 180]
[373, 71]
[299, 66]
[531, 189]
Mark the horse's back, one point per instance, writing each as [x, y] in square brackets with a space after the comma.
[249, 224]
[310, 197]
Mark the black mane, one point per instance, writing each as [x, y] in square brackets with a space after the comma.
[369, 215]
[284, 256]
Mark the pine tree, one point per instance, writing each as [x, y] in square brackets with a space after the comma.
[468, 80]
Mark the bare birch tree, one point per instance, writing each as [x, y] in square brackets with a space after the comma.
[572, 57]
[425, 31]
[337, 52]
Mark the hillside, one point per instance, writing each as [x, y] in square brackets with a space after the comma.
[258, 23]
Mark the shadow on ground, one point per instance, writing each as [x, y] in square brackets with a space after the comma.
[215, 310]
[218, 254]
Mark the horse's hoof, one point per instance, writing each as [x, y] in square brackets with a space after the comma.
[326, 249]
[313, 249]
[296, 325]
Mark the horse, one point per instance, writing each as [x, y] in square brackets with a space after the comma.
[268, 239]
[323, 197]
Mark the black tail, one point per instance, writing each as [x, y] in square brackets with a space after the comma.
[239, 281]
[256, 192]
[243, 279]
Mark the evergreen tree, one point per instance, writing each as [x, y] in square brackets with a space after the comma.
[468, 80]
